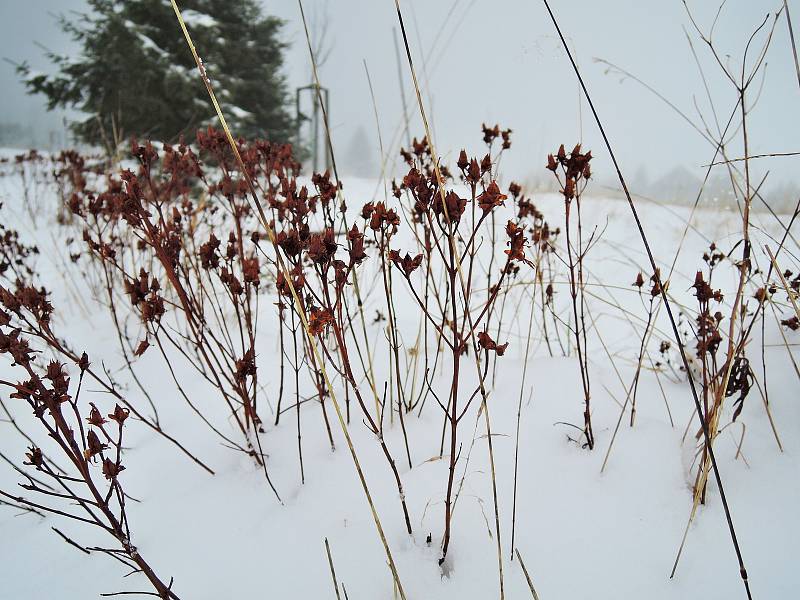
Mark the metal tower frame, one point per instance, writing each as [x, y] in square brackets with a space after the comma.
[315, 124]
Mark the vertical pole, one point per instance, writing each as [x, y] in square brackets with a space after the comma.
[315, 133]
[298, 122]
[327, 142]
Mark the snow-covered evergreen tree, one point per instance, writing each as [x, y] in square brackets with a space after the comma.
[135, 74]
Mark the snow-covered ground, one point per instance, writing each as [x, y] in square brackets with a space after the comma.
[582, 534]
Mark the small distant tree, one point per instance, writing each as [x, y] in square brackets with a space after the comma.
[12, 133]
[134, 74]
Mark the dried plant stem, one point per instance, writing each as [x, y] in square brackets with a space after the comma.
[789, 292]
[455, 267]
[785, 341]
[527, 576]
[673, 323]
[734, 350]
[642, 349]
[333, 571]
[108, 386]
[376, 427]
[281, 326]
[303, 318]
[576, 288]
[791, 37]
[296, 367]
[516, 437]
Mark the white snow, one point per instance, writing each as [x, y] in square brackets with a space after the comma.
[147, 43]
[32, 75]
[194, 18]
[237, 112]
[181, 71]
[582, 534]
[150, 44]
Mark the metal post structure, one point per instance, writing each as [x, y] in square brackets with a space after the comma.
[316, 135]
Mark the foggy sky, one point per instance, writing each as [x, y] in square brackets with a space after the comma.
[498, 61]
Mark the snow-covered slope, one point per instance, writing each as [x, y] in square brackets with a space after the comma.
[581, 533]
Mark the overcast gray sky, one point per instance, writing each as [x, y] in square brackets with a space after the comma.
[499, 61]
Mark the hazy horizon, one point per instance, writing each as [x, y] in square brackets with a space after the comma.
[504, 66]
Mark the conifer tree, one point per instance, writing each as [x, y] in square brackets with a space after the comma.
[134, 74]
